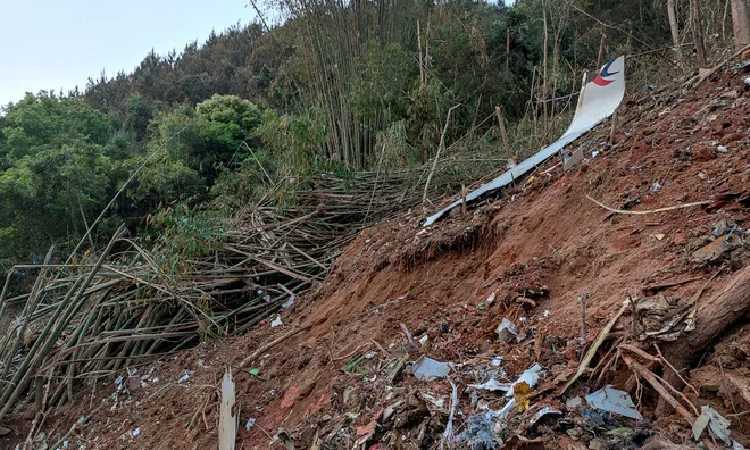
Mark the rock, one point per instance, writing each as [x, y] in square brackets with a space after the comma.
[709, 388]
[703, 152]
[730, 137]
[736, 392]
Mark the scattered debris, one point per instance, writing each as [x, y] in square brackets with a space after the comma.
[135, 432]
[718, 425]
[185, 376]
[483, 430]
[574, 402]
[277, 322]
[492, 385]
[507, 331]
[448, 433]
[250, 423]
[614, 401]
[544, 412]
[530, 377]
[428, 369]
[289, 303]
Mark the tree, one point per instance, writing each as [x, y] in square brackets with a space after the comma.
[672, 14]
[741, 23]
[697, 22]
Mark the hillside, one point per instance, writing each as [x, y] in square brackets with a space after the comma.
[338, 372]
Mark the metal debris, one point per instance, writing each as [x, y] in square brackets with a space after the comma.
[185, 376]
[718, 425]
[545, 411]
[529, 376]
[507, 331]
[614, 401]
[428, 369]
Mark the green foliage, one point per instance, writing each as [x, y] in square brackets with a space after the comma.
[44, 196]
[45, 120]
[182, 234]
[55, 172]
[209, 137]
[294, 140]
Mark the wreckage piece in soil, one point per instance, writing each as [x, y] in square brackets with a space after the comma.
[715, 316]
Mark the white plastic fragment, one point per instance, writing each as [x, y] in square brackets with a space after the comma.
[250, 423]
[614, 401]
[423, 340]
[497, 361]
[136, 432]
[428, 369]
[277, 322]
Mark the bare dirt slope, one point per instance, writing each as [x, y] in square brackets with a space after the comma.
[527, 257]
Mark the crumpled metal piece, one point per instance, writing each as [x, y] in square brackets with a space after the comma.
[615, 401]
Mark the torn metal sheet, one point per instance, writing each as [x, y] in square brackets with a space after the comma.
[429, 369]
[529, 376]
[599, 99]
[718, 425]
[545, 411]
[615, 401]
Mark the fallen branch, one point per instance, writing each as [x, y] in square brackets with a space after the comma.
[649, 211]
[653, 380]
[264, 348]
[595, 347]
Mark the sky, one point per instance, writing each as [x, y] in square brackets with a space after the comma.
[54, 44]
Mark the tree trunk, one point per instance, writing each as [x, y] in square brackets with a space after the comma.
[602, 48]
[695, 17]
[675, 30]
[545, 53]
[714, 317]
[741, 24]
